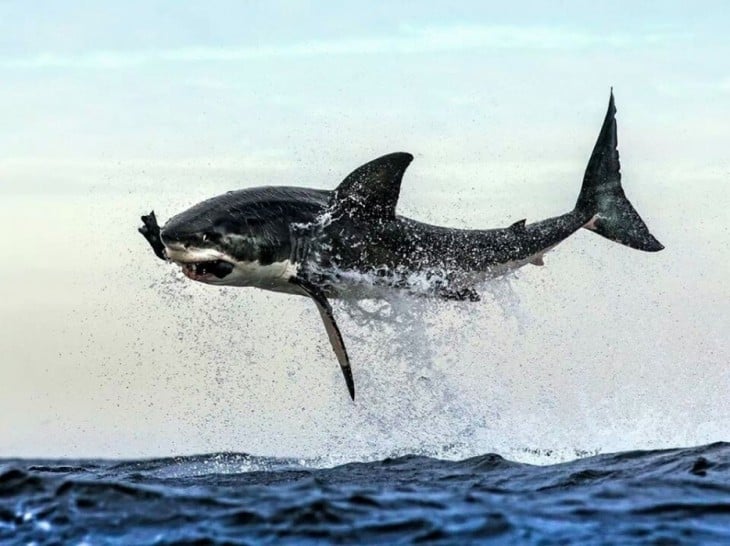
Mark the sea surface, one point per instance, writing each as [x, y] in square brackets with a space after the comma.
[675, 496]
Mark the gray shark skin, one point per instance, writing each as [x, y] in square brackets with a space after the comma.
[350, 242]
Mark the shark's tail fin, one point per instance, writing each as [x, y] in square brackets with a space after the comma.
[602, 196]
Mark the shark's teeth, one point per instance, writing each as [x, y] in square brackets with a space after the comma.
[207, 269]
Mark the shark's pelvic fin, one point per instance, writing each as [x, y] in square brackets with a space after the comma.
[371, 191]
[462, 294]
[602, 199]
[333, 332]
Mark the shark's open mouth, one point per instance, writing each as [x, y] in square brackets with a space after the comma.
[201, 271]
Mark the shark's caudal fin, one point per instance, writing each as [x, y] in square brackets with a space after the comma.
[602, 195]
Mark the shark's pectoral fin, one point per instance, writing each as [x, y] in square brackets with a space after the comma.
[151, 231]
[371, 191]
[330, 326]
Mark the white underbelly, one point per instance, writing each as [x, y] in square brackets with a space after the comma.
[274, 276]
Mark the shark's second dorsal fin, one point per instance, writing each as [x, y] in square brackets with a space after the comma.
[519, 225]
[371, 191]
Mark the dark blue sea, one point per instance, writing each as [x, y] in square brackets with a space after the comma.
[676, 496]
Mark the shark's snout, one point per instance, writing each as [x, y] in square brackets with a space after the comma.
[176, 237]
[196, 254]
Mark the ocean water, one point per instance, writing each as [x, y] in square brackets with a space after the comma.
[675, 496]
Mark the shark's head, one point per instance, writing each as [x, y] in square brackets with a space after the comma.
[240, 238]
[202, 241]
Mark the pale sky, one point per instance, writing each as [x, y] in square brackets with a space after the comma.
[110, 111]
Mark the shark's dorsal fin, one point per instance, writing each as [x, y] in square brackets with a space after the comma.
[371, 191]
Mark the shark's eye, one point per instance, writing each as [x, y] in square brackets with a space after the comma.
[205, 237]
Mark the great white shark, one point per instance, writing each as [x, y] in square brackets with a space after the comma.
[350, 242]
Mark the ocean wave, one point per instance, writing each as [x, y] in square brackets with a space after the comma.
[637, 497]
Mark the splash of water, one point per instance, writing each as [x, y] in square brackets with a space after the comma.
[530, 372]
[408, 349]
